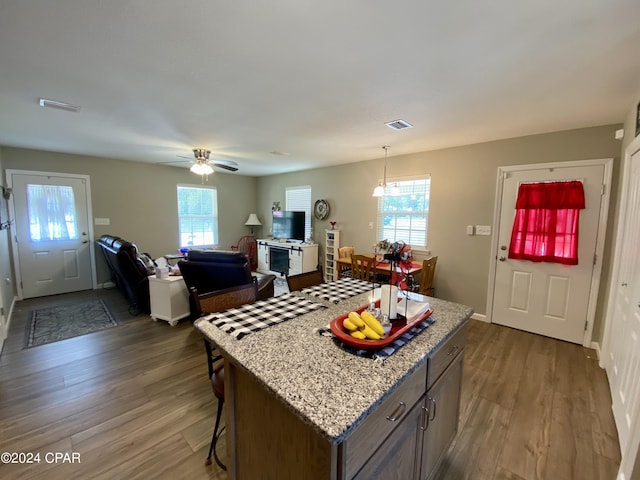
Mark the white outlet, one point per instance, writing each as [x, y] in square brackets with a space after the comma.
[483, 229]
[370, 225]
[469, 229]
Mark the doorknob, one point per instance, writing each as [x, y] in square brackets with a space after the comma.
[623, 284]
[503, 247]
[502, 259]
[85, 241]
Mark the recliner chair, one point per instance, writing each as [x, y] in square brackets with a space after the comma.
[128, 271]
[209, 271]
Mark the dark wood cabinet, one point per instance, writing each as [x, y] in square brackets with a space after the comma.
[442, 406]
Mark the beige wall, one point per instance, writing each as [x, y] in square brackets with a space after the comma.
[140, 199]
[462, 193]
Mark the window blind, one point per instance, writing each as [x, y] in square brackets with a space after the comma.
[405, 217]
[298, 199]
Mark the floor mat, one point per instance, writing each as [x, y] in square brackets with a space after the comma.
[47, 325]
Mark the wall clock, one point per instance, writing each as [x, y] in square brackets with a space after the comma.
[321, 209]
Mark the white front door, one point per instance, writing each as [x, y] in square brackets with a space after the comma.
[547, 298]
[623, 367]
[52, 233]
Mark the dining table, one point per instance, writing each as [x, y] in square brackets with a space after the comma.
[380, 267]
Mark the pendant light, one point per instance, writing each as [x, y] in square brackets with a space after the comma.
[379, 190]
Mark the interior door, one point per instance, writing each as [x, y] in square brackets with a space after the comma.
[547, 298]
[623, 368]
[52, 233]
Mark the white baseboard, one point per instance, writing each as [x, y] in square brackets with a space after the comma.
[106, 285]
[481, 317]
[596, 347]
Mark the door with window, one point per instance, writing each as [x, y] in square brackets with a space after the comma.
[546, 287]
[52, 236]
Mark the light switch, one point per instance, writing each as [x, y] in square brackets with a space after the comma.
[483, 229]
[370, 225]
[102, 221]
[469, 229]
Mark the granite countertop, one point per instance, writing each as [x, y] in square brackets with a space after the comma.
[328, 388]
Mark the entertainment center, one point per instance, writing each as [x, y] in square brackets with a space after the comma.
[281, 257]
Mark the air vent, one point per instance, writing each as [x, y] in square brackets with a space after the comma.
[45, 102]
[399, 124]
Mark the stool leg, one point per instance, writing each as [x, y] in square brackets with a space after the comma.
[214, 439]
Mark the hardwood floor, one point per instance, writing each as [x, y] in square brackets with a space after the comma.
[532, 408]
[134, 402]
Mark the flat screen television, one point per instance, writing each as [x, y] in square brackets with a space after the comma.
[288, 225]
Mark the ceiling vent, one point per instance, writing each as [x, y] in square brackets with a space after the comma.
[399, 124]
[45, 102]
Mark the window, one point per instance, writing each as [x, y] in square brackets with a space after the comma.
[52, 213]
[197, 216]
[298, 199]
[405, 217]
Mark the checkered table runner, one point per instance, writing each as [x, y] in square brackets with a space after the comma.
[399, 342]
[340, 289]
[253, 317]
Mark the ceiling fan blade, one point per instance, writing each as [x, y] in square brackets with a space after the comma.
[226, 167]
[173, 161]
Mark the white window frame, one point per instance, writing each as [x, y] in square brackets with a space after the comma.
[214, 218]
[418, 237]
[298, 199]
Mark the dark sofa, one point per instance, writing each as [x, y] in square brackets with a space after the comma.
[209, 271]
[128, 272]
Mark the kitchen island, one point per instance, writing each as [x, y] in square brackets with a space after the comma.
[299, 406]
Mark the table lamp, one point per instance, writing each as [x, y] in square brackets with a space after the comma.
[252, 221]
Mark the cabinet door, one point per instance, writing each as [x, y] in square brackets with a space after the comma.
[263, 257]
[397, 456]
[295, 262]
[443, 404]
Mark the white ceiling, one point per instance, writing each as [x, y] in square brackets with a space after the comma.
[316, 80]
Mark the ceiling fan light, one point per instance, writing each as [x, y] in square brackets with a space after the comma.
[201, 168]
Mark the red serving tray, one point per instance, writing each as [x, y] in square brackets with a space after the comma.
[397, 329]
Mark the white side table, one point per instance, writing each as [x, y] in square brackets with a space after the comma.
[169, 299]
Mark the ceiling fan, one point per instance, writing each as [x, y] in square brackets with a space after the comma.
[204, 166]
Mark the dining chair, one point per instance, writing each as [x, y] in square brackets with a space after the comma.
[213, 302]
[345, 252]
[361, 267]
[304, 280]
[425, 287]
[249, 245]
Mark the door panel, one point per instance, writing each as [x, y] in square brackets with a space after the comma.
[557, 295]
[52, 233]
[520, 291]
[547, 298]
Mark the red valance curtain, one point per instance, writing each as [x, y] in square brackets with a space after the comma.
[545, 228]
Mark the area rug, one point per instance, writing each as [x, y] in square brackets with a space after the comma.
[47, 325]
[280, 287]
